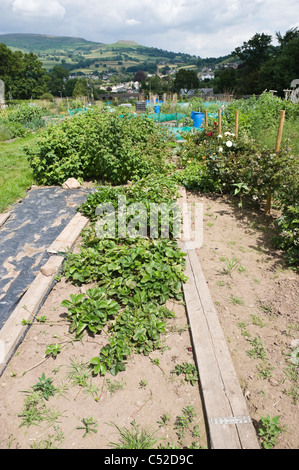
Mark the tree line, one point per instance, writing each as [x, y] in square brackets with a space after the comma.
[261, 65]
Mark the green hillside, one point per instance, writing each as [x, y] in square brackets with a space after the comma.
[42, 42]
[79, 55]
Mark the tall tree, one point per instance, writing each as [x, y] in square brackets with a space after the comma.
[58, 77]
[253, 54]
[291, 34]
[22, 73]
[186, 79]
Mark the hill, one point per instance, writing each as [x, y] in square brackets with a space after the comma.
[43, 42]
[81, 56]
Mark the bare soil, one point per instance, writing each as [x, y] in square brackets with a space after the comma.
[255, 299]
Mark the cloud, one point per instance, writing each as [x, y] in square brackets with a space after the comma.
[132, 22]
[38, 8]
[207, 29]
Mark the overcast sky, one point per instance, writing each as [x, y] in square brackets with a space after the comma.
[206, 28]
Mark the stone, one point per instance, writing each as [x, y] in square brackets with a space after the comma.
[71, 183]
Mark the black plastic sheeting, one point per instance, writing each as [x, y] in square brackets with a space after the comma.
[33, 225]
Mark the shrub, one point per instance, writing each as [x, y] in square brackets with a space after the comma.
[99, 147]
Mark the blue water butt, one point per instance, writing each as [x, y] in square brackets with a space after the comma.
[157, 109]
[198, 118]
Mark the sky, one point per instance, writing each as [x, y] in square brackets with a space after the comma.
[205, 28]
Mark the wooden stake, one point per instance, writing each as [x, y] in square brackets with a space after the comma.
[280, 129]
[206, 118]
[237, 124]
[277, 148]
[219, 121]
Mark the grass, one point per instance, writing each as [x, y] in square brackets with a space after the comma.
[15, 174]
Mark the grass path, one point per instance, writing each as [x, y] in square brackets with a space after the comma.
[15, 173]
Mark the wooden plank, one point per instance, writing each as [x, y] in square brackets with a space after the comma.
[228, 418]
[228, 421]
[4, 217]
[65, 241]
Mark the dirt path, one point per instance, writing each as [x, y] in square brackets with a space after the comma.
[255, 298]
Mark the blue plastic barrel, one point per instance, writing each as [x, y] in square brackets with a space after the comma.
[198, 118]
[157, 109]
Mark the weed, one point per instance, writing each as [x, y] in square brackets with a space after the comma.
[189, 370]
[244, 331]
[45, 387]
[51, 442]
[41, 319]
[53, 350]
[258, 351]
[165, 418]
[134, 438]
[265, 370]
[236, 300]
[183, 421]
[142, 383]
[231, 265]
[79, 372]
[89, 426]
[256, 320]
[114, 386]
[33, 410]
[92, 390]
[269, 431]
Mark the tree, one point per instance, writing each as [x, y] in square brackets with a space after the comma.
[185, 79]
[277, 73]
[22, 73]
[80, 89]
[253, 54]
[58, 76]
[291, 34]
[139, 76]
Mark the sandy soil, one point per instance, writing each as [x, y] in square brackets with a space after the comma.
[257, 299]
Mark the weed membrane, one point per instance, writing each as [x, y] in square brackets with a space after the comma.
[33, 225]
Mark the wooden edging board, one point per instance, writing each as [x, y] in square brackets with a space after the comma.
[3, 217]
[229, 425]
[13, 330]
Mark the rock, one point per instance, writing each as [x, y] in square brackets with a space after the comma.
[49, 268]
[71, 183]
[295, 344]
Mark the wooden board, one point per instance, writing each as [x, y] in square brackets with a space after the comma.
[3, 217]
[229, 425]
[228, 421]
[65, 241]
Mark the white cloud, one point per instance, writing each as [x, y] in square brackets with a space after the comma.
[38, 8]
[206, 28]
[132, 22]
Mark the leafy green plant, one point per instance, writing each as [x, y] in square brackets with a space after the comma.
[188, 370]
[44, 386]
[99, 147]
[269, 430]
[183, 421]
[53, 349]
[165, 418]
[91, 311]
[258, 351]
